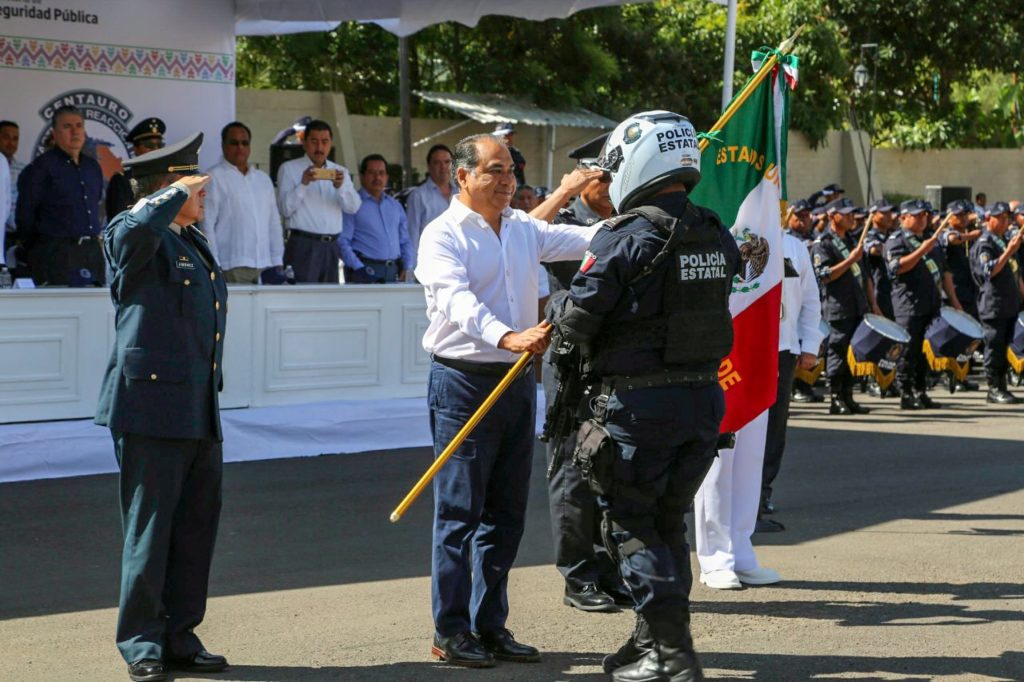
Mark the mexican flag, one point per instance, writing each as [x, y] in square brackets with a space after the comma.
[743, 179]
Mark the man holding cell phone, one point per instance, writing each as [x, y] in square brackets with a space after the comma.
[313, 192]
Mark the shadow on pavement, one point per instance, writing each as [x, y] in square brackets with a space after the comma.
[296, 523]
[722, 667]
[788, 668]
[553, 666]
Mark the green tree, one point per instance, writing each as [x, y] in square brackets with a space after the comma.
[941, 66]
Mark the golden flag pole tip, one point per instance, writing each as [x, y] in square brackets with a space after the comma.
[395, 517]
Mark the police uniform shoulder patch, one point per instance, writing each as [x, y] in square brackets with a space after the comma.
[588, 262]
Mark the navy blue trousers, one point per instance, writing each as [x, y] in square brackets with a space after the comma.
[479, 496]
[170, 510]
[665, 442]
[580, 555]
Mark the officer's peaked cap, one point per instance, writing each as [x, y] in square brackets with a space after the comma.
[181, 158]
[590, 149]
[148, 127]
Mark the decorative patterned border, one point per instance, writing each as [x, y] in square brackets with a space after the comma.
[115, 60]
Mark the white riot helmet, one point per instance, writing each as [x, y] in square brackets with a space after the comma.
[649, 150]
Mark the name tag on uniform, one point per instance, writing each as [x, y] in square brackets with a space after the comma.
[185, 263]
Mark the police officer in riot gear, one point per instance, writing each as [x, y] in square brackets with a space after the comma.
[649, 308]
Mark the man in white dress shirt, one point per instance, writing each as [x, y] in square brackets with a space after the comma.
[313, 192]
[478, 264]
[431, 199]
[241, 221]
[726, 506]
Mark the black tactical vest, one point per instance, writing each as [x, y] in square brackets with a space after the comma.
[695, 326]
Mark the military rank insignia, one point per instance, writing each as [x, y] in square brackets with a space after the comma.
[588, 262]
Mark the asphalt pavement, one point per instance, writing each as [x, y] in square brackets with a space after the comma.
[903, 559]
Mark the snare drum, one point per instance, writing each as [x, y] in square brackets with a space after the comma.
[1017, 343]
[954, 334]
[1015, 351]
[880, 341]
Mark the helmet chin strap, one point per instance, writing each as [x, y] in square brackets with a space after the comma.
[645, 194]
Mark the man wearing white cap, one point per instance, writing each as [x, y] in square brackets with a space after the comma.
[508, 134]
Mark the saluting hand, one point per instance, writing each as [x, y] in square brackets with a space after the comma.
[194, 183]
[573, 183]
[534, 340]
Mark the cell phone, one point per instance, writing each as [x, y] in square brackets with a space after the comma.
[323, 174]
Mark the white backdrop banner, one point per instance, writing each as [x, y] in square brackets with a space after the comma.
[120, 61]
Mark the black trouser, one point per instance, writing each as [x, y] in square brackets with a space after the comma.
[912, 372]
[170, 510]
[61, 261]
[313, 257]
[998, 332]
[580, 555]
[778, 415]
[836, 367]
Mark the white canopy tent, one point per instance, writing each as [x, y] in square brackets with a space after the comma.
[402, 18]
[498, 108]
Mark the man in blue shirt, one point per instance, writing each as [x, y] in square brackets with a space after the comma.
[374, 243]
[58, 211]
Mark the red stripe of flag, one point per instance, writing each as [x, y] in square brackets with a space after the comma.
[750, 374]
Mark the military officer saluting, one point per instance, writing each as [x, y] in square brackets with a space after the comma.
[997, 274]
[592, 581]
[848, 296]
[159, 398]
[146, 136]
[916, 267]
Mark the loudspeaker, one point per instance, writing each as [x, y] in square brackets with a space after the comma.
[940, 195]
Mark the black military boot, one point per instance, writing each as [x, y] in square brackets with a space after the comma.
[671, 660]
[926, 402]
[839, 404]
[638, 644]
[997, 392]
[909, 401]
[855, 407]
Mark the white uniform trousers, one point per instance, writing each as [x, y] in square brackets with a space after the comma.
[725, 507]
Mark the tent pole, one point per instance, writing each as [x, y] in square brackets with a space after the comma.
[551, 154]
[405, 110]
[729, 69]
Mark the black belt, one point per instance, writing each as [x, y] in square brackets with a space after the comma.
[654, 380]
[374, 261]
[85, 239]
[313, 235]
[491, 369]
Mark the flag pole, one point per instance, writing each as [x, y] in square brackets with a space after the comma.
[463, 433]
[752, 84]
[484, 408]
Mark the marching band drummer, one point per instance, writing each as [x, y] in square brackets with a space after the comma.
[997, 274]
[918, 269]
[847, 294]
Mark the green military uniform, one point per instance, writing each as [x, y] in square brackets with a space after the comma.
[159, 398]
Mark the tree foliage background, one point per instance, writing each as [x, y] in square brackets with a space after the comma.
[948, 71]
